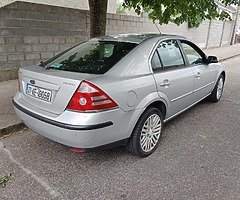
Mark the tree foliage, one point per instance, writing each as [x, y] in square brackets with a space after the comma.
[120, 9]
[163, 11]
[178, 11]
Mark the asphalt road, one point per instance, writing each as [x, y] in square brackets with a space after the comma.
[198, 158]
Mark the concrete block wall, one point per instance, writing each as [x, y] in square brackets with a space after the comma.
[32, 32]
[215, 33]
[117, 24]
[209, 34]
[199, 35]
[227, 33]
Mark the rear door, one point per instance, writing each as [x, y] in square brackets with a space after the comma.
[204, 74]
[172, 76]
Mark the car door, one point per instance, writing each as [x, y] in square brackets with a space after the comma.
[204, 74]
[173, 78]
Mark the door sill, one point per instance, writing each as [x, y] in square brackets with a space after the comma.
[175, 115]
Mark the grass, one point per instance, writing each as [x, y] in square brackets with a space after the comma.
[4, 180]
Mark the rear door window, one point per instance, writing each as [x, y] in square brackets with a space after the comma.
[170, 54]
[93, 57]
[155, 62]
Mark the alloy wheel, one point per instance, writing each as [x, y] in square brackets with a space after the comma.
[219, 88]
[150, 133]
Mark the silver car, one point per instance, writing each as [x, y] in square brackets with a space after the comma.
[116, 90]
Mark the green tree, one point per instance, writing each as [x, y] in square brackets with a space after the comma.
[162, 11]
[120, 9]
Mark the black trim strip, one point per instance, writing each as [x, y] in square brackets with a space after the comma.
[60, 124]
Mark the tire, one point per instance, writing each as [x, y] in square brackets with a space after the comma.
[146, 135]
[216, 94]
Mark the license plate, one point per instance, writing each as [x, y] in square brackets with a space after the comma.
[39, 93]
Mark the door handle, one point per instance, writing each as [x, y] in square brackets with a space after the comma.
[198, 75]
[165, 83]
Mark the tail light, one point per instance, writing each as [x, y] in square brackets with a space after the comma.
[89, 97]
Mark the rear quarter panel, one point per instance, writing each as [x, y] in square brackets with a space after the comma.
[144, 90]
[129, 93]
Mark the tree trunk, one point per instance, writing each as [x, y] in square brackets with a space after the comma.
[98, 14]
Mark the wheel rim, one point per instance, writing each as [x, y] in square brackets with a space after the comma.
[219, 88]
[150, 133]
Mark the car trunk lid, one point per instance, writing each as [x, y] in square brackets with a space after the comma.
[61, 85]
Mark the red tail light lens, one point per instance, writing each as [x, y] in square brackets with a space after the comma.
[89, 97]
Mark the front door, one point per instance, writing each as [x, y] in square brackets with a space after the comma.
[204, 74]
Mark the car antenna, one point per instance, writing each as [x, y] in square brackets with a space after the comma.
[157, 28]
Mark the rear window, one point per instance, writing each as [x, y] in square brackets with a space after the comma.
[92, 57]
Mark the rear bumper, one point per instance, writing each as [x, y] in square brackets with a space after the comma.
[79, 130]
[60, 124]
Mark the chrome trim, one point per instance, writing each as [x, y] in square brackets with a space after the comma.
[180, 97]
[204, 86]
[185, 109]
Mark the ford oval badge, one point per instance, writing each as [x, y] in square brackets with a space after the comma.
[32, 81]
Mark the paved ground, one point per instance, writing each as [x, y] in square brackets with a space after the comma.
[198, 158]
[224, 52]
[7, 115]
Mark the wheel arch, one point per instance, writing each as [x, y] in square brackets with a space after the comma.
[155, 99]
[224, 75]
[157, 103]
[133, 145]
[160, 105]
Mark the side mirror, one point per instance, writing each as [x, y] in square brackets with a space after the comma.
[212, 59]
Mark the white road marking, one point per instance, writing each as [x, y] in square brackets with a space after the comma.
[42, 182]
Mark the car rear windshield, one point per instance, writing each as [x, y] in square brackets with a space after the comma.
[92, 57]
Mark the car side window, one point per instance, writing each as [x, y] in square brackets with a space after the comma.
[170, 54]
[192, 54]
[155, 62]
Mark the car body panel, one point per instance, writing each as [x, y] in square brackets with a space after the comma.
[131, 83]
[180, 91]
[77, 138]
[62, 84]
[120, 88]
[136, 62]
[205, 79]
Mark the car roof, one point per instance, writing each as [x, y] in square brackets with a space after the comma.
[136, 38]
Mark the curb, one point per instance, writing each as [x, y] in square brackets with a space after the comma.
[11, 129]
[234, 56]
